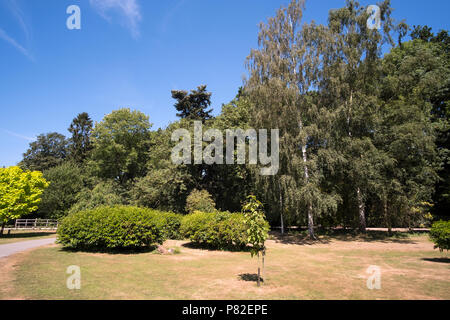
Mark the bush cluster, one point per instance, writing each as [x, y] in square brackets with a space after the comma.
[125, 227]
[118, 227]
[219, 230]
[440, 235]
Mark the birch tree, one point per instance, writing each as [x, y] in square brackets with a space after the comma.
[283, 75]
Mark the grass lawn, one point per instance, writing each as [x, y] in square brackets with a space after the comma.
[333, 268]
[24, 235]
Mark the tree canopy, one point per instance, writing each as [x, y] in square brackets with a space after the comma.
[20, 193]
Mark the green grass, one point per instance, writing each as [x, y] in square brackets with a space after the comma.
[333, 269]
[25, 235]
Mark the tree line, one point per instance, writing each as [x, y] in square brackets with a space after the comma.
[364, 136]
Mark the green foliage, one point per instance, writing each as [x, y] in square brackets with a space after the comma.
[170, 224]
[230, 184]
[104, 228]
[48, 151]
[166, 186]
[80, 143]
[256, 224]
[200, 201]
[218, 230]
[440, 235]
[105, 193]
[66, 181]
[193, 106]
[286, 99]
[121, 144]
[414, 76]
[20, 192]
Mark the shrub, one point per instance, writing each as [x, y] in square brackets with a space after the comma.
[117, 227]
[219, 230]
[200, 201]
[170, 224]
[440, 235]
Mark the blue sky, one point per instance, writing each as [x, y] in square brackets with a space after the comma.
[132, 53]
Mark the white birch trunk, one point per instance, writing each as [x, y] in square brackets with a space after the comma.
[310, 213]
[362, 214]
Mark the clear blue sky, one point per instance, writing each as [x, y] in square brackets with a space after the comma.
[132, 53]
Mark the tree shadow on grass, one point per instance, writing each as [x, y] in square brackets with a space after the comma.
[121, 251]
[26, 235]
[439, 260]
[298, 239]
[325, 236]
[202, 246]
[252, 277]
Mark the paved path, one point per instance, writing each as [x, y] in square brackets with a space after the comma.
[11, 248]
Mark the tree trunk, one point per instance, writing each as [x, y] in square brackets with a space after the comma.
[3, 228]
[361, 205]
[362, 214]
[386, 216]
[310, 211]
[311, 224]
[281, 212]
[263, 257]
[258, 271]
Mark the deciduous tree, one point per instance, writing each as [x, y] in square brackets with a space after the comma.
[121, 143]
[20, 193]
[48, 151]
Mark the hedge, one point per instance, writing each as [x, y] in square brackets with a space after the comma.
[218, 230]
[170, 224]
[440, 235]
[118, 227]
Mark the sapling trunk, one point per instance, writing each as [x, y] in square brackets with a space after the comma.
[259, 283]
[263, 273]
[258, 271]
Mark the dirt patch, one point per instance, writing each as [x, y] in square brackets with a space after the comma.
[8, 267]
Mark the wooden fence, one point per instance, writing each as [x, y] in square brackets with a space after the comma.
[36, 224]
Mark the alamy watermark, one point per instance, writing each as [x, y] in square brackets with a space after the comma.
[74, 280]
[374, 21]
[374, 280]
[74, 20]
[235, 139]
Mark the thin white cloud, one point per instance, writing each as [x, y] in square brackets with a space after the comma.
[14, 43]
[17, 135]
[17, 13]
[128, 8]
[20, 17]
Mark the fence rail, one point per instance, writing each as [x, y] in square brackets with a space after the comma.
[36, 224]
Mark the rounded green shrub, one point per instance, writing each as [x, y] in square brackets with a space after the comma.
[200, 201]
[118, 227]
[440, 235]
[218, 230]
